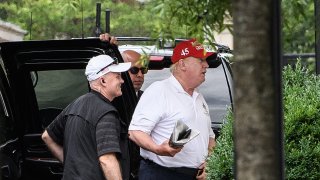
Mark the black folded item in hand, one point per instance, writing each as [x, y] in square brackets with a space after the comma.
[181, 134]
[184, 134]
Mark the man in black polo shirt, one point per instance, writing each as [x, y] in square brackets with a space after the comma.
[88, 136]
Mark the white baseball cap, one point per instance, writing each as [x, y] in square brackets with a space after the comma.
[102, 64]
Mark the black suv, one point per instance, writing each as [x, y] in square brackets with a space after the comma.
[40, 78]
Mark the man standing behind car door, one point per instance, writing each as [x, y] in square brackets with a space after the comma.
[137, 71]
[138, 67]
[165, 102]
[88, 136]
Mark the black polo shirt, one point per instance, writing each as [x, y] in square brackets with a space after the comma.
[88, 128]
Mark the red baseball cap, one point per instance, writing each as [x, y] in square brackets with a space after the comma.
[190, 48]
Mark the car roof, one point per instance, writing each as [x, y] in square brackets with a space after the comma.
[52, 51]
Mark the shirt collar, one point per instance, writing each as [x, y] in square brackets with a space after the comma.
[179, 87]
[100, 96]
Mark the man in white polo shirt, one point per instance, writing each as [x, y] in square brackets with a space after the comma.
[165, 102]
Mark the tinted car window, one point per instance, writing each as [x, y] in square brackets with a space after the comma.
[57, 88]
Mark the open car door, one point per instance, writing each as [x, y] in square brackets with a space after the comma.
[38, 80]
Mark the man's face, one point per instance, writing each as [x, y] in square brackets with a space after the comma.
[114, 81]
[136, 70]
[137, 76]
[196, 69]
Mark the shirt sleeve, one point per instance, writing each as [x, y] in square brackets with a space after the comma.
[149, 110]
[56, 128]
[108, 134]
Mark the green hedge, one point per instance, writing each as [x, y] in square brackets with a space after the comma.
[220, 163]
[302, 123]
[301, 95]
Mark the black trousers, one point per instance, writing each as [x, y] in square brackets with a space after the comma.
[152, 171]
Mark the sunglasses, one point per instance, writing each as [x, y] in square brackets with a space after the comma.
[114, 62]
[135, 70]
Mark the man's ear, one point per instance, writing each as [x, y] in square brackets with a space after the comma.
[102, 81]
[182, 64]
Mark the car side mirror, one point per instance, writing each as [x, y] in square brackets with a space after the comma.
[213, 61]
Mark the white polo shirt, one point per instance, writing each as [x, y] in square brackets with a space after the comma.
[161, 105]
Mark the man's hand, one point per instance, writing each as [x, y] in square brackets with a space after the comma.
[211, 146]
[145, 141]
[202, 175]
[107, 37]
[165, 149]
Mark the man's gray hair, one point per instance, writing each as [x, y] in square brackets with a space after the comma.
[172, 67]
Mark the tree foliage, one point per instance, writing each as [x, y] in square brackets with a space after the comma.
[191, 18]
[197, 18]
[158, 18]
[298, 26]
[55, 18]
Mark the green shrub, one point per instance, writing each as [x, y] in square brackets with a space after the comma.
[220, 163]
[302, 123]
[301, 95]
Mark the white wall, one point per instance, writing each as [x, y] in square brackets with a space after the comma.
[224, 38]
[10, 32]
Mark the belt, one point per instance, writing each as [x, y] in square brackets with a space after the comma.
[183, 170]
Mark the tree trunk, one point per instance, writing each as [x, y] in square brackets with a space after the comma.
[258, 133]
